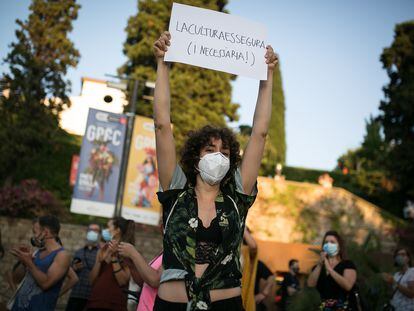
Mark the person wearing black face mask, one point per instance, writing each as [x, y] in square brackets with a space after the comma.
[402, 282]
[290, 285]
[46, 268]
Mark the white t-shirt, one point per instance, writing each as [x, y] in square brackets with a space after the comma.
[400, 301]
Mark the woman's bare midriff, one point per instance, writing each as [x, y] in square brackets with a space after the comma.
[174, 291]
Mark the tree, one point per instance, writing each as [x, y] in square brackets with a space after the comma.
[373, 148]
[275, 147]
[35, 88]
[198, 96]
[384, 164]
[367, 173]
[269, 160]
[372, 153]
[277, 124]
[397, 108]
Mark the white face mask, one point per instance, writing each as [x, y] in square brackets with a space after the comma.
[331, 249]
[213, 167]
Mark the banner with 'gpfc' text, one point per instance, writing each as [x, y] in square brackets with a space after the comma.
[95, 191]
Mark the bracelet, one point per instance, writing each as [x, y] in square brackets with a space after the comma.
[115, 261]
[119, 270]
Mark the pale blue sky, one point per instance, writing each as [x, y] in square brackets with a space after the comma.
[329, 53]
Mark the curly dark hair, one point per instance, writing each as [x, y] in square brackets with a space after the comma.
[197, 140]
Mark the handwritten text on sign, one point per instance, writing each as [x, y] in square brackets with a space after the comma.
[218, 41]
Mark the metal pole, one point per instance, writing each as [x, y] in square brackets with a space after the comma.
[134, 97]
[127, 146]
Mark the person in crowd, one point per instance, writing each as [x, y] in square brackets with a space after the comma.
[150, 273]
[402, 282]
[18, 272]
[290, 284]
[83, 262]
[111, 273]
[334, 276]
[16, 275]
[248, 262]
[45, 270]
[205, 200]
[263, 285]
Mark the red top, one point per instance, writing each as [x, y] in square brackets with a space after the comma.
[106, 292]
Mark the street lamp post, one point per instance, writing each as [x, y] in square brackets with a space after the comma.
[129, 130]
[127, 145]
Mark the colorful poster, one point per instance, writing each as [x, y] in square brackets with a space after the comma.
[95, 192]
[141, 185]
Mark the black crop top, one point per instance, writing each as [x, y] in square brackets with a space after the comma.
[207, 241]
[180, 228]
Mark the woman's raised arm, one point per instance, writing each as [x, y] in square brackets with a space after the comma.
[166, 158]
[253, 153]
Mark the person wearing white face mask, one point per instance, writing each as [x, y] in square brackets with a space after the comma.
[83, 262]
[402, 282]
[334, 276]
[205, 199]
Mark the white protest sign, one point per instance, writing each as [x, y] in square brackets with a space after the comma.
[218, 41]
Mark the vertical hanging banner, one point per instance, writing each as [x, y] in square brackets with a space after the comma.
[95, 192]
[140, 200]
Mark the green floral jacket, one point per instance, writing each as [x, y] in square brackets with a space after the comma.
[180, 218]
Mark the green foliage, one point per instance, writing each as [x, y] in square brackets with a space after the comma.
[198, 96]
[268, 162]
[28, 199]
[306, 174]
[368, 176]
[277, 140]
[372, 153]
[307, 299]
[51, 166]
[373, 148]
[405, 236]
[397, 109]
[371, 184]
[37, 90]
[371, 262]
[382, 168]
[270, 153]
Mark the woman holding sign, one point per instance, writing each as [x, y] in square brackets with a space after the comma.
[205, 200]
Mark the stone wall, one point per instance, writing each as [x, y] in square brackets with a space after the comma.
[19, 231]
[293, 212]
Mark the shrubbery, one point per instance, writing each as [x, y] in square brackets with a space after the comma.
[28, 199]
